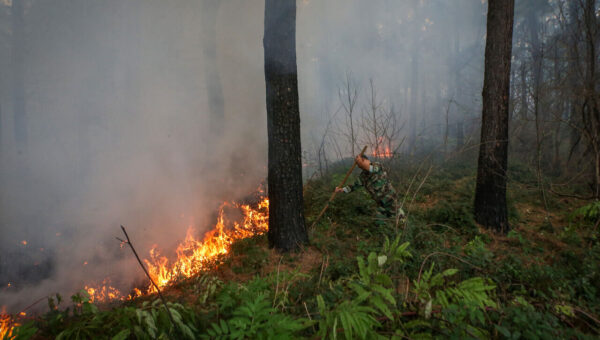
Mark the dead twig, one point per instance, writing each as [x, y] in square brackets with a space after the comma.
[308, 314]
[277, 280]
[324, 265]
[33, 304]
[419, 187]
[128, 242]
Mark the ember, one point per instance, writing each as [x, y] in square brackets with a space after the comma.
[104, 293]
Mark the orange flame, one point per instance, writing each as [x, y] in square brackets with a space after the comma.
[382, 149]
[193, 254]
[7, 325]
[104, 293]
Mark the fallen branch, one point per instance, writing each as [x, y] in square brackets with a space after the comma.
[583, 198]
[589, 315]
[147, 274]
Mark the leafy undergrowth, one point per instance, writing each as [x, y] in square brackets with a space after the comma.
[440, 275]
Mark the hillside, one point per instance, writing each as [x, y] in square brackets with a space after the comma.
[438, 276]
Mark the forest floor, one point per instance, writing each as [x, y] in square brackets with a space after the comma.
[440, 275]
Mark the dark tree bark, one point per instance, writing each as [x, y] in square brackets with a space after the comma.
[556, 135]
[18, 82]
[591, 108]
[573, 76]
[490, 192]
[287, 231]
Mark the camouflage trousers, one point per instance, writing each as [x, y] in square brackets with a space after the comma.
[388, 213]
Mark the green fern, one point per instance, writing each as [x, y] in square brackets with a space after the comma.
[206, 288]
[395, 251]
[473, 291]
[256, 319]
[151, 321]
[463, 304]
[372, 296]
[356, 320]
[589, 212]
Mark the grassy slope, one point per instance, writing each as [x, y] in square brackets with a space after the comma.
[545, 273]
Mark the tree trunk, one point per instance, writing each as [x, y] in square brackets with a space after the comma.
[18, 67]
[573, 78]
[537, 60]
[591, 108]
[556, 164]
[490, 192]
[287, 231]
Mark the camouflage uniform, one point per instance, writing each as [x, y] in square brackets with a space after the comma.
[378, 186]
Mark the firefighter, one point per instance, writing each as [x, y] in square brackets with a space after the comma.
[374, 179]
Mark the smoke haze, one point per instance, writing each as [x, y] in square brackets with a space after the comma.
[151, 113]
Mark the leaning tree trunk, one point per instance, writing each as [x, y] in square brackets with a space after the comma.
[287, 230]
[490, 192]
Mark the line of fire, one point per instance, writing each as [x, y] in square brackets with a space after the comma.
[190, 258]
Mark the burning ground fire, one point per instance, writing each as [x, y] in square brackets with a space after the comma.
[382, 149]
[193, 254]
[7, 324]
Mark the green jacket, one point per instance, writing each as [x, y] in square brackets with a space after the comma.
[376, 183]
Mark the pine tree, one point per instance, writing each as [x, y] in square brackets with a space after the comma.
[490, 192]
[287, 231]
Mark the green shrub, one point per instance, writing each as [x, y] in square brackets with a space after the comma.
[255, 318]
[455, 214]
[371, 296]
[150, 321]
[589, 212]
[477, 253]
[524, 322]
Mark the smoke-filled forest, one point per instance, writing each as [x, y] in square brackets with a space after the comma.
[287, 169]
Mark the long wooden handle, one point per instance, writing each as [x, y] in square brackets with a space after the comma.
[334, 192]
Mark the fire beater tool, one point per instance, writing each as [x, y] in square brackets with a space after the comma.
[334, 193]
